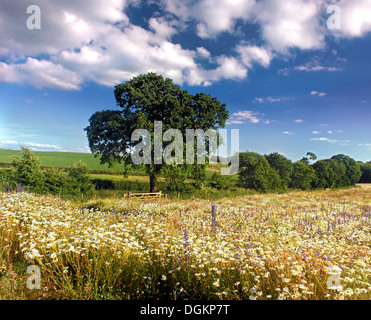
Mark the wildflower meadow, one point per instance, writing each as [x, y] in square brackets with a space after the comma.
[297, 245]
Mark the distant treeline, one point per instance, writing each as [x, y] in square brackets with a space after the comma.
[275, 172]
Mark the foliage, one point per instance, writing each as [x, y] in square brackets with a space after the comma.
[57, 182]
[175, 176]
[366, 172]
[78, 173]
[256, 173]
[329, 174]
[302, 176]
[283, 166]
[352, 170]
[223, 182]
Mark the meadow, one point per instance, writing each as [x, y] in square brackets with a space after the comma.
[258, 246]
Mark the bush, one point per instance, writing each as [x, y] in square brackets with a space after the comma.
[57, 182]
[79, 175]
[223, 182]
[175, 177]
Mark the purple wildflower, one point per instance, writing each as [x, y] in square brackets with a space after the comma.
[213, 219]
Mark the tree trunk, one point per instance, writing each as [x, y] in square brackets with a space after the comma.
[153, 182]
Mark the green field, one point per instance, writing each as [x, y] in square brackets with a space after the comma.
[60, 159]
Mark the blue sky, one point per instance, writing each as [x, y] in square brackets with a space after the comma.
[291, 84]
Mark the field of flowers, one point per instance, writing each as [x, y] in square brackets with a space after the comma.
[298, 245]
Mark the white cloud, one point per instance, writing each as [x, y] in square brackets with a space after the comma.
[40, 74]
[314, 67]
[317, 93]
[244, 116]
[355, 17]
[290, 23]
[271, 99]
[334, 131]
[202, 52]
[299, 121]
[289, 133]
[214, 17]
[316, 132]
[254, 54]
[332, 141]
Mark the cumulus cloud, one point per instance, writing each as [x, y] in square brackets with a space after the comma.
[289, 133]
[254, 54]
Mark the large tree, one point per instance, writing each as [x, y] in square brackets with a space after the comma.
[142, 101]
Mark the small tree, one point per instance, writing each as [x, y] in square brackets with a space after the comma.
[26, 170]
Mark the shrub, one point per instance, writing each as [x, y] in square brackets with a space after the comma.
[79, 175]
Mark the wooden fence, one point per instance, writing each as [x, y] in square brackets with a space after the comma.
[146, 196]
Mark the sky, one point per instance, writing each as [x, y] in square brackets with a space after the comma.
[295, 74]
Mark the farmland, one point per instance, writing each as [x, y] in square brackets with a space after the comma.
[259, 246]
